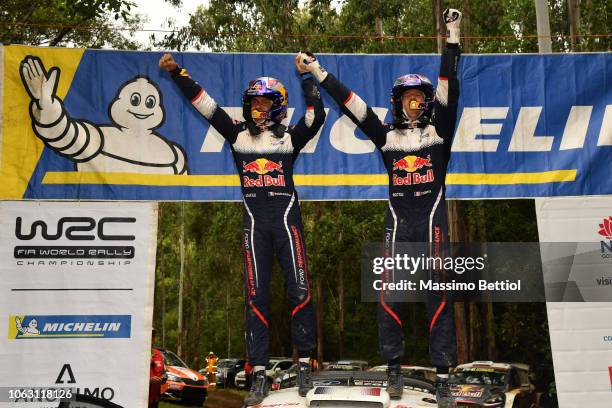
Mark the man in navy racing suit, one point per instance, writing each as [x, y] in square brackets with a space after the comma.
[415, 149]
[265, 150]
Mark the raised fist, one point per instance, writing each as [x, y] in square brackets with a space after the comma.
[304, 62]
[452, 19]
[307, 62]
[167, 63]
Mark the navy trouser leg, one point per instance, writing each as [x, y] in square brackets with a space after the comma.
[291, 251]
[440, 312]
[433, 228]
[258, 256]
[390, 334]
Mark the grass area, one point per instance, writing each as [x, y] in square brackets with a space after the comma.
[234, 391]
[166, 404]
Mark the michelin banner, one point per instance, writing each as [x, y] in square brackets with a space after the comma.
[76, 298]
[528, 126]
[579, 305]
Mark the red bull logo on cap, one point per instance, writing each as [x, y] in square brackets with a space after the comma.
[262, 167]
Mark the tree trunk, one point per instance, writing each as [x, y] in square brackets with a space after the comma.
[490, 326]
[379, 27]
[179, 347]
[319, 304]
[319, 313]
[543, 26]
[198, 332]
[489, 316]
[466, 27]
[229, 326]
[573, 11]
[163, 292]
[163, 311]
[59, 37]
[461, 331]
[439, 30]
[474, 334]
[459, 233]
[340, 308]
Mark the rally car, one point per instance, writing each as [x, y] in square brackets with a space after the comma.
[275, 368]
[356, 389]
[493, 385]
[184, 384]
[287, 379]
[428, 373]
[348, 365]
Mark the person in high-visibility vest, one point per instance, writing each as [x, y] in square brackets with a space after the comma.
[211, 368]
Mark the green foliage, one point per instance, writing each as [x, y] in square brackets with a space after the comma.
[81, 23]
[389, 26]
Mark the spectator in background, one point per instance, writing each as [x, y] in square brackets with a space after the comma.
[211, 368]
[156, 374]
[248, 374]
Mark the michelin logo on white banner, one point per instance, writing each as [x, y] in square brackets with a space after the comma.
[40, 327]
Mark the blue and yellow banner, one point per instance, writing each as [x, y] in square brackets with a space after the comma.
[528, 125]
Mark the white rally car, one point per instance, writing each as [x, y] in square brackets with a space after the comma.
[356, 389]
[493, 385]
[428, 373]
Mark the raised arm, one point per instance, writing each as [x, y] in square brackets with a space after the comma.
[203, 102]
[78, 140]
[350, 103]
[313, 119]
[447, 92]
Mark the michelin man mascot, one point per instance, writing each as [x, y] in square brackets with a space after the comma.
[129, 145]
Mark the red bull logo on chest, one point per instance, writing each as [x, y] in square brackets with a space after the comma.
[262, 167]
[410, 164]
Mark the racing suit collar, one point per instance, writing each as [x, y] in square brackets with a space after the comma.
[277, 129]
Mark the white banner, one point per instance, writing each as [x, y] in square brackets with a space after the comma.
[76, 300]
[581, 325]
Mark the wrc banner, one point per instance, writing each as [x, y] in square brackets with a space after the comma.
[76, 301]
[578, 278]
[528, 126]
